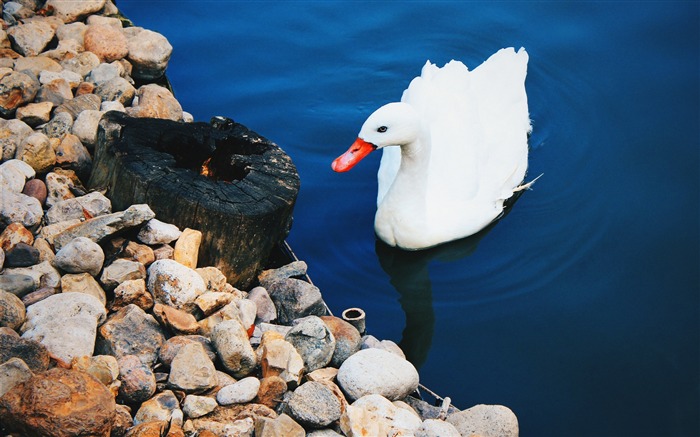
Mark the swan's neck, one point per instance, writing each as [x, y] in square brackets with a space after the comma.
[415, 159]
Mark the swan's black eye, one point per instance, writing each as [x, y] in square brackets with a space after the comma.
[382, 129]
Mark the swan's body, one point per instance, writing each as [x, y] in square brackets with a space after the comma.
[462, 152]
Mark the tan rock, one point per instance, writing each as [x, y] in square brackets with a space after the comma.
[210, 302]
[280, 358]
[191, 370]
[35, 114]
[36, 151]
[178, 321]
[106, 41]
[102, 367]
[132, 291]
[139, 252]
[156, 102]
[187, 248]
[282, 426]
[83, 283]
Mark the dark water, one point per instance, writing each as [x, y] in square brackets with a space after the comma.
[580, 309]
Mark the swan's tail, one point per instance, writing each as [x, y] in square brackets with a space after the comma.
[528, 185]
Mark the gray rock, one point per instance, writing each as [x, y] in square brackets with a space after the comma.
[323, 433]
[369, 341]
[130, 331]
[156, 232]
[313, 404]
[85, 102]
[31, 38]
[196, 406]
[12, 132]
[296, 268]
[95, 204]
[240, 392]
[282, 425]
[437, 428]
[138, 383]
[17, 284]
[104, 73]
[174, 284]
[101, 227]
[149, 52]
[314, 341]
[376, 371]
[122, 270]
[21, 255]
[81, 255]
[58, 126]
[117, 89]
[265, 308]
[43, 274]
[33, 353]
[66, 324]
[12, 372]
[191, 370]
[12, 311]
[17, 207]
[486, 421]
[294, 299]
[233, 347]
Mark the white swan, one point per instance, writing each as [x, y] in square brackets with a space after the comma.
[462, 152]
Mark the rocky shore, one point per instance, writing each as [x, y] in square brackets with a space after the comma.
[108, 325]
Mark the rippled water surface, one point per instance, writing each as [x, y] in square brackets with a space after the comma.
[579, 310]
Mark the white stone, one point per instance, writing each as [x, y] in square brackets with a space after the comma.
[157, 232]
[173, 284]
[196, 406]
[71, 77]
[17, 207]
[437, 428]
[233, 347]
[43, 274]
[14, 174]
[376, 371]
[85, 126]
[66, 324]
[486, 421]
[239, 392]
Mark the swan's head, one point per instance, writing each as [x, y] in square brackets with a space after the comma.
[394, 124]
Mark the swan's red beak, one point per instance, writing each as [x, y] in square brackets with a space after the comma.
[359, 149]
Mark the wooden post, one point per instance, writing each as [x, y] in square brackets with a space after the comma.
[243, 208]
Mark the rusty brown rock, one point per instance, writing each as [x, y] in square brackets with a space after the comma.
[72, 154]
[122, 421]
[271, 391]
[15, 233]
[156, 102]
[156, 428]
[59, 402]
[132, 292]
[347, 339]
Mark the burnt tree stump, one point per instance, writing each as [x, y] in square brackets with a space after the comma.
[222, 179]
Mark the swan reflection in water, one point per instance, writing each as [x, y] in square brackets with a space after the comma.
[409, 274]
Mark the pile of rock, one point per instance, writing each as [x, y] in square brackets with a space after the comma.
[108, 326]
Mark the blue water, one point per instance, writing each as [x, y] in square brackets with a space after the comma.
[580, 309]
